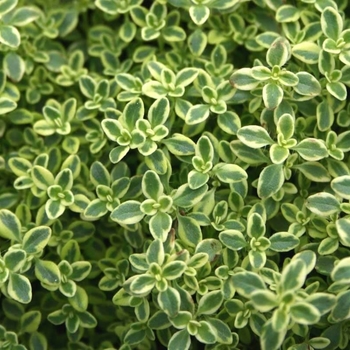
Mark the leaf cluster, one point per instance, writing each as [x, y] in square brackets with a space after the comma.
[174, 173]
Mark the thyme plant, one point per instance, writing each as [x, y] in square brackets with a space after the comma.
[174, 174]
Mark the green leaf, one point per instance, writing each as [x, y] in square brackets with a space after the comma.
[86, 319]
[261, 73]
[14, 66]
[6, 105]
[210, 303]
[159, 320]
[323, 302]
[319, 342]
[196, 179]
[341, 310]
[341, 186]
[287, 13]
[330, 46]
[56, 317]
[38, 341]
[255, 225]
[311, 149]
[229, 122]
[222, 331]
[307, 52]
[151, 185]
[20, 166]
[278, 154]
[35, 240]
[278, 53]
[64, 179]
[160, 225]
[304, 313]
[326, 62]
[314, 171]
[264, 300]
[107, 6]
[181, 319]
[205, 333]
[128, 213]
[157, 161]
[293, 276]
[80, 270]
[243, 79]
[87, 86]
[70, 251]
[19, 288]
[254, 136]
[257, 259]
[10, 36]
[112, 128]
[127, 31]
[343, 141]
[155, 253]
[272, 95]
[169, 301]
[42, 127]
[341, 271]
[197, 114]
[15, 259]
[7, 5]
[134, 111]
[47, 272]
[180, 341]
[189, 231]
[331, 23]
[142, 284]
[211, 246]
[343, 228]
[280, 319]
[186, 197]
[199, 14]
[204, 149]
[270, 181]
[328, 246]
[270, 338]
[308, 85]
[338, 90]
[42, 177]
[308, 257]
[283, 242]
[118, 153]
[95, 209]
[24, 15]
[180, 145]
[10, 226]
[173, 34]
[246, 283]
[80, 300]
[68, 288]
[229, 173]
[30, 321]
[323, 204]
[285, 126]
[246, 154]
[54, 209]
[186, 76]
[197, 42]
[233, 239]
[154, 89]
[159, 111]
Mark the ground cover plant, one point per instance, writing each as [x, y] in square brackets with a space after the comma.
[174, 174]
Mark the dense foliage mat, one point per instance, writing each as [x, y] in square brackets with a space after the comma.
[174, 174]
